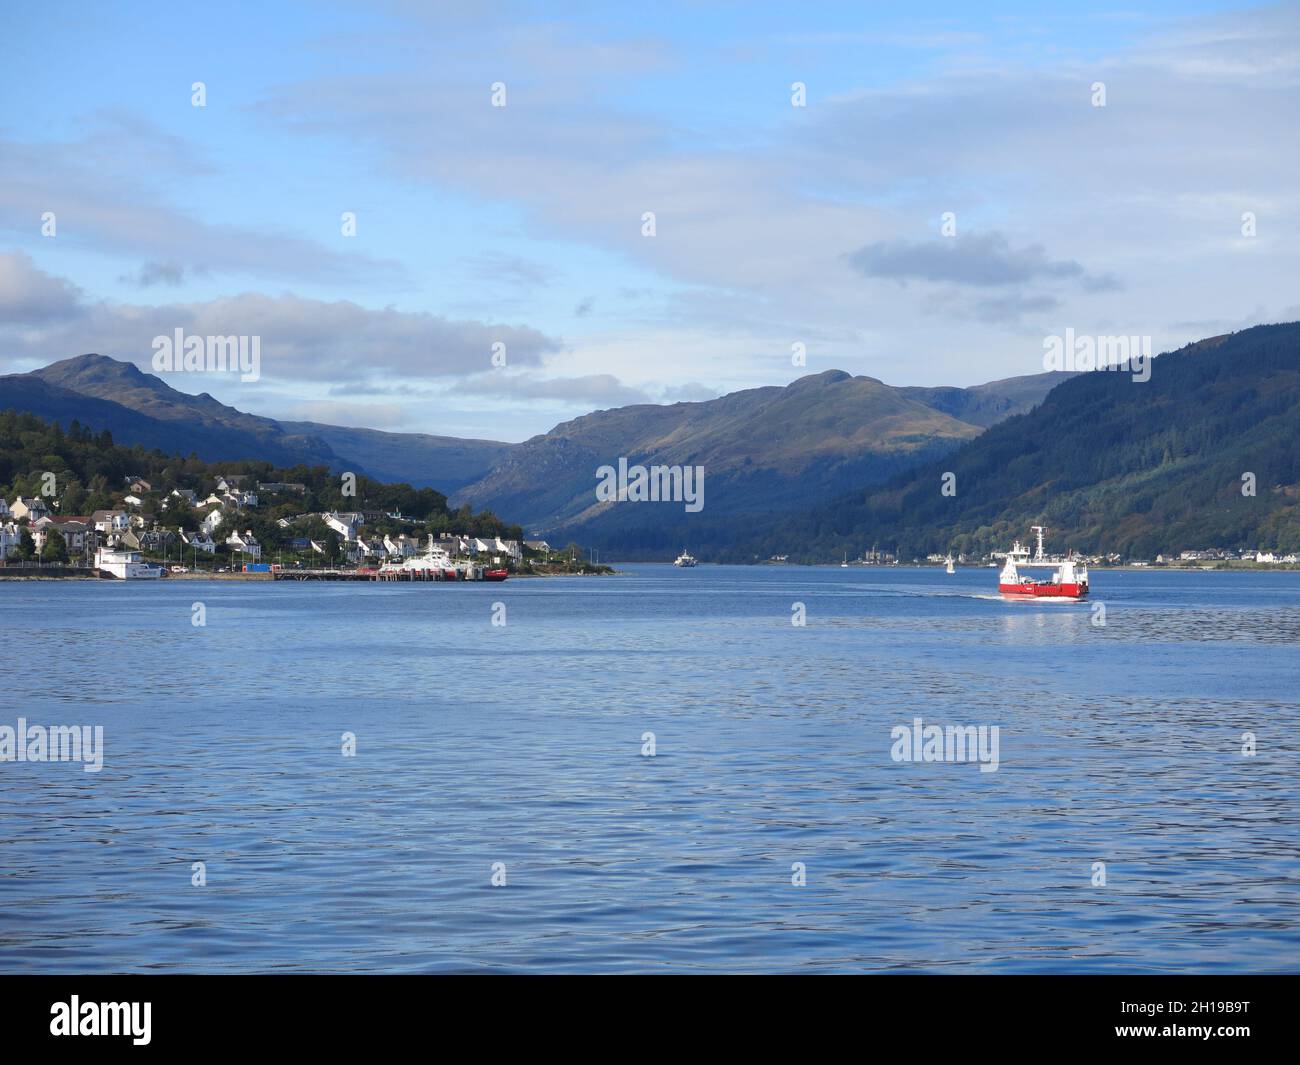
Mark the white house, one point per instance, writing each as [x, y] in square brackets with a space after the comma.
[402, 546]
[245, 542]
[199, 540]
[343, 524]
[110, 521]
[212, 521]
[508, 547]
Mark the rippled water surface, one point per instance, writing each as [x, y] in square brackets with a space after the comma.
[522, 745]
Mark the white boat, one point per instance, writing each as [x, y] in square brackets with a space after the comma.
[434, 565]
[845, 563]
[124, 565]
[685, 560]
[948, 565]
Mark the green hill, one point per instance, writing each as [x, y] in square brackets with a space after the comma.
[1105, 462]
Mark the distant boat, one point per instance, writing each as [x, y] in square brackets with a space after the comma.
[948, 566]
[686, 560]
[845, 563]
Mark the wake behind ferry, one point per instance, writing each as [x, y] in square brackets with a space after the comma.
[1068, 584]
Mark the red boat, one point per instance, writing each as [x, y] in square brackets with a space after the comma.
[495, 574]
[1068, 584]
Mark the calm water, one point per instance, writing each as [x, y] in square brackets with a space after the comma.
[522, 745]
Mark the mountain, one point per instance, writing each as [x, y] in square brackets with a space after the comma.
[176, 421]
[443, 462]
[764, 451]
[1106, 463]
[990, 403]
[139, 408]
[24, 392]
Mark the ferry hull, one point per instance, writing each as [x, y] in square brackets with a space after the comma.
[1071, 592]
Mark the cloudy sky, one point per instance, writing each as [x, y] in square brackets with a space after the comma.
[775, 225]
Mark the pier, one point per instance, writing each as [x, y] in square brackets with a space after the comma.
[324, 575]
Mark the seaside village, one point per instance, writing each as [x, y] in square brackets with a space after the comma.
[222, 540]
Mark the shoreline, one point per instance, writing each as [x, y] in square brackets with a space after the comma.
[349, 577]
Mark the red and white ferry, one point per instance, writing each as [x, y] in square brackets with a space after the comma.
[1068, 584]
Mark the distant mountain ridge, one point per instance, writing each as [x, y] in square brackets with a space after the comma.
[443, 462]
[766, 450]
[763, 449]
[1205, 454]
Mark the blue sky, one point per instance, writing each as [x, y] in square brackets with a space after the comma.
[775, 225]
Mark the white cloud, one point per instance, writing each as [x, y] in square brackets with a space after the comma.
[303, 341]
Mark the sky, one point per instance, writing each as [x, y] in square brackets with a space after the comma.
[943, 194]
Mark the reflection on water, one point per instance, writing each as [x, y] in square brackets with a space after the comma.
[522, 745]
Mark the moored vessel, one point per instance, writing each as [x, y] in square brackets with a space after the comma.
[437, 565]
[1068, 582]
[124, 565]
[685, 560]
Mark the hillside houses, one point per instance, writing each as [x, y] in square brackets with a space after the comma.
[77, 532]
[472, 545]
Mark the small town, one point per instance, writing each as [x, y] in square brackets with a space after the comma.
[221, 540]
